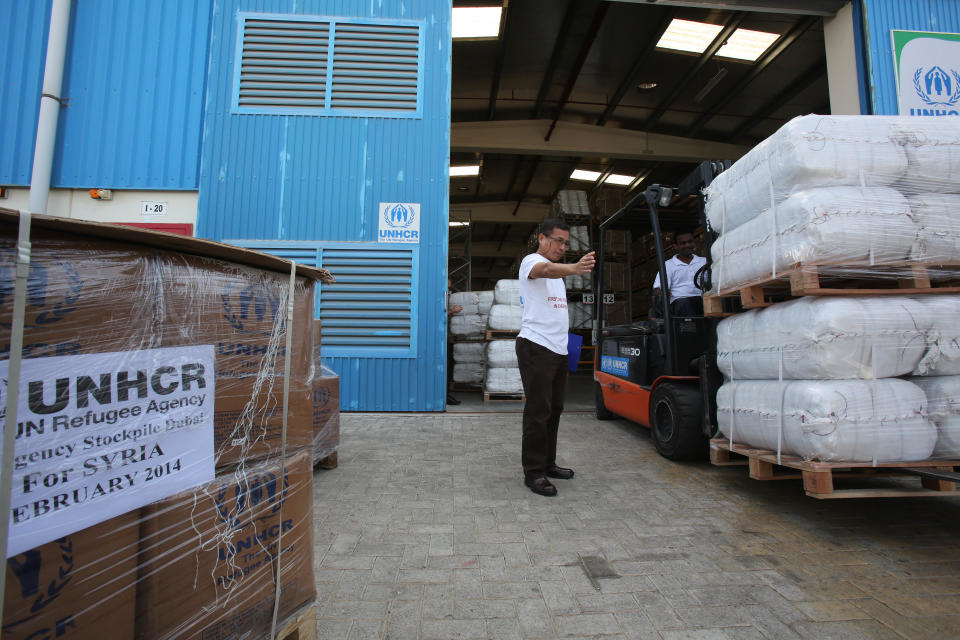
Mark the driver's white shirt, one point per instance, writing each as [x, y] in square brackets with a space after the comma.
[680, 277]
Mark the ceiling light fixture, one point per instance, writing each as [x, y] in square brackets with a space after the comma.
[476, 23]
[582, 174]
[647, 86]
[746, 44]
[466, 170]
[455, 223]
[687, 35]
[619, 179]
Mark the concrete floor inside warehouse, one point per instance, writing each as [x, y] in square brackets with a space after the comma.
[425, 530]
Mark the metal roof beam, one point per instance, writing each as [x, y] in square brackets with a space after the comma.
[798, 86]
[804, 7]
[502, 212]
[526, 137]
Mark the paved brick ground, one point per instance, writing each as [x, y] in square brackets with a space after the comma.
[425, 531]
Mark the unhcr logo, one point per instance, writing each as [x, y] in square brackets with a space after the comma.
[936, 87]
[399, 222]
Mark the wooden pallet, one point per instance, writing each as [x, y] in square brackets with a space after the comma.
[329, 462]
[302, 626]
[497, 334]
[494, 396]
[466, 386]
[822, 280]
[818, 476]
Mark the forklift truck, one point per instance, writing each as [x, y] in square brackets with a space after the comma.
[661, 372]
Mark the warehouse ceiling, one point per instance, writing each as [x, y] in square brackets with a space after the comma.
[581, 84]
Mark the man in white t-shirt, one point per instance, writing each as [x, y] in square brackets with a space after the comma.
[685, 298]
[542, 352]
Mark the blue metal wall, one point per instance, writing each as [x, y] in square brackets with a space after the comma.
[134, 83]
[300, 178]
[880, 17]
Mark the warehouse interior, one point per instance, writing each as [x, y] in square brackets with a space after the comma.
[632, 94]
[587, 85]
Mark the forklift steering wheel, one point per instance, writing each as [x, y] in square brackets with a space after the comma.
[702, 279]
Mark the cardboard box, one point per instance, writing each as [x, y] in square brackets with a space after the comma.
[76, 587]
[326, 414]
[93, 294]
[209, 556]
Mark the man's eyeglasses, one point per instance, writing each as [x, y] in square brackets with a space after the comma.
[563, 242]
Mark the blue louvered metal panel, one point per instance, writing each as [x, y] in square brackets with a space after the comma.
[327, 66]
[321, 179]
[881, 16]
[23, 45]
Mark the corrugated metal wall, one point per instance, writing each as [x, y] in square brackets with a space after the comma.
[297, 178]
[134, 84]
[916, 15]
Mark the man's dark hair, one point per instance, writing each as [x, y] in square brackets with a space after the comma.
[677, 234]
[550, 224]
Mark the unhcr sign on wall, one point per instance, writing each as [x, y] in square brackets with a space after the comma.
[399, 222]
[928, 72]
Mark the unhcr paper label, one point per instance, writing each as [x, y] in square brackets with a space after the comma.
[101, 434]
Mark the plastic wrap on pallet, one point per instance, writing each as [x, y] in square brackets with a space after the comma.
[938, 220]
[942, 357]
[504, 317]
[814, 338]
[503, 380]
[943, 408]
[502, 354]
[156, 366]
[506, 292]
[914, 155]
[468, 326]
[468, 372]
[829, 420]
[465, 352]
[473, 302]
[809, 151]
[326, 414]
[570, 203]
[841, 227]
[579, 238]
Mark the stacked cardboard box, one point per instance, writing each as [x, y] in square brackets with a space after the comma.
[139, 343]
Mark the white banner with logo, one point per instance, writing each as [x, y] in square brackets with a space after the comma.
[102, 434]
[399, 222]
[928, 72]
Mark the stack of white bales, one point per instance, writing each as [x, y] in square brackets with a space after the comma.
[869, 378]
[503, 374]
[469, 329]
[580, 315]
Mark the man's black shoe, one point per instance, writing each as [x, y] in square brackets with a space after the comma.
[452, 400]
[541, 486]
[560, 472]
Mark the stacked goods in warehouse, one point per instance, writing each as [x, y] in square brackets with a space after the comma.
[570, 204]
[468, 359]
[502, 375]
[161, 367]
[866, 204]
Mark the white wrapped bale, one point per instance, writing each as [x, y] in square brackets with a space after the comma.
[943, 336]
[507, 292]
[468, 326]
[943, 408]
[464, 352]
[579, 238]
[829, 420]
[809, 151]
[473, 302]
[468, 372]
[502, 354]
[830, 226]
[484, 301]
[827, 338]
[932, 147]
[938, 221]
[505, 317]
[503, 380]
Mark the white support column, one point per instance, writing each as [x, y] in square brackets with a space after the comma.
[842, 78]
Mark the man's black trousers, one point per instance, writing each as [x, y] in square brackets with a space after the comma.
[544, 376]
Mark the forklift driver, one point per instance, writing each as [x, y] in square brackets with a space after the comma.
[685, 298]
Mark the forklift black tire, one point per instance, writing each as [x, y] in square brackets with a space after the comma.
[675, 422]
[599, 408]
